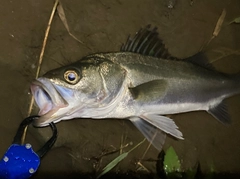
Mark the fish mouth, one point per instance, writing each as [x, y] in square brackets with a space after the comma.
[48, 100]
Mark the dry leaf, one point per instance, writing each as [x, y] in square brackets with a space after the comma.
[219, 23]
[63, 18]
[217, 28]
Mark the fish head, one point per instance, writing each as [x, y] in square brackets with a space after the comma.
[76, 90]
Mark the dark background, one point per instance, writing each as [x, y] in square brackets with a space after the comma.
[103, 25]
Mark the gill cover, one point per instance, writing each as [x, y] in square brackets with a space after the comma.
[95, 81]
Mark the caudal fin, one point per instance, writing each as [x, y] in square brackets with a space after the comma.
[236, 79]
[220, 112]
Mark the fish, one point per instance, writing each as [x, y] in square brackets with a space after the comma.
[142, 82]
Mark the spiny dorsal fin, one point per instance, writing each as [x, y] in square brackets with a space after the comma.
[147, 42]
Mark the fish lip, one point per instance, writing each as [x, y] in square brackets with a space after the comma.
[52, 100]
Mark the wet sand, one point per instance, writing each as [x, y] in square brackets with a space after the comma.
[103, 26]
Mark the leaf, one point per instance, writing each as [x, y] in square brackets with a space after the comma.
[219, 23]
[63, 18]
[117, 160]
[217, 28]
[113, 163]
[236, 20]
[171, 162]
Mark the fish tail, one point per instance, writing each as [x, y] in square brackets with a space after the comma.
[236, 83]
[219, 110]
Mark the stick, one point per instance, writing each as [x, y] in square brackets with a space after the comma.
[40, 61]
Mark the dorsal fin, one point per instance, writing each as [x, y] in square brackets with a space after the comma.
[147, 42]
[201, 60]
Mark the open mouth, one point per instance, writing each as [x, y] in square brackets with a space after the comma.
[42, 98]
[47, 98]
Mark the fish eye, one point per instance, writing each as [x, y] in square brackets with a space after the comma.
[71, 76]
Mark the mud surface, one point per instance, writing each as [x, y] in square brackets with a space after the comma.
[103, 25]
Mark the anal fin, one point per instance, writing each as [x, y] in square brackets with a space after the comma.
[163, 123]
[154, 135]
[155, 127]
[220, 112]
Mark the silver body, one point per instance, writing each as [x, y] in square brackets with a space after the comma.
[129, 85]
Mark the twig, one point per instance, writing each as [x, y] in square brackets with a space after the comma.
[150, 143]
[143, 167]
[110, 152]
[121, 151]
[40, 60]
[224, 52]
[123, 140]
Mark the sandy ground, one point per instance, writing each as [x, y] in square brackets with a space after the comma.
[103, 25]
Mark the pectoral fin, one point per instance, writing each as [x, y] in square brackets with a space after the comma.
[155, 127]
[150, 91]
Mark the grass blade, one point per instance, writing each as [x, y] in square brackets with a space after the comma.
[236, 21]
[117, 160]
[113, 163]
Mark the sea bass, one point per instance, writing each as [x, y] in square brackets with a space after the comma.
[142, 83]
